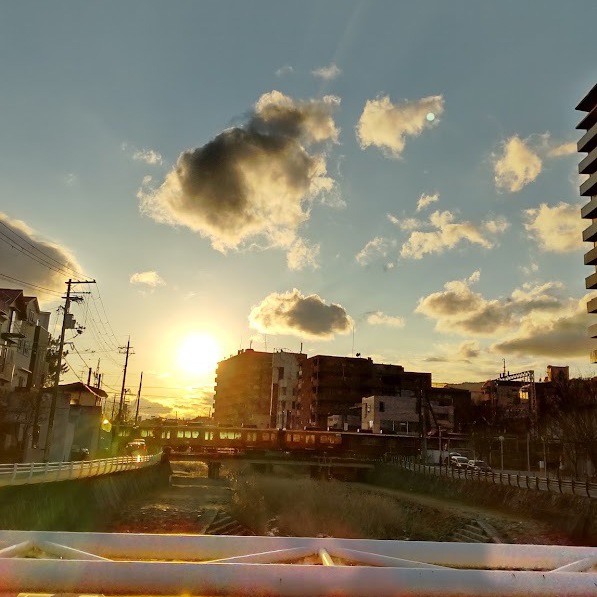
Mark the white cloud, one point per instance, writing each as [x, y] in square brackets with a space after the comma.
[299, 315]
[387, 125]
[448, 234]
[377, 246]
[426, 200]
[327, 72]
[517, 166]
[406, 223]
[562, 149]
[252, 181]
[458, 309]
[149, 156]
[284, 70]
[25, 255]
[380, 318]
[302, 255]
[556, 229]
[149, 278]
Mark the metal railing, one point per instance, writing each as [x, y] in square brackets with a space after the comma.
[46, 472]
[557, 484]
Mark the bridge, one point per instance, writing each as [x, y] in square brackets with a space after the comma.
[133, 564]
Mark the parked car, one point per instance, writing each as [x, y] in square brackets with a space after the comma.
[458, 462]
[478, 466]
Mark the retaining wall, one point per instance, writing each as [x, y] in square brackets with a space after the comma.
[574, 515]
[78, 505]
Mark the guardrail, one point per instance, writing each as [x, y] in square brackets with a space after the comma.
[46, 472]
[571, 486]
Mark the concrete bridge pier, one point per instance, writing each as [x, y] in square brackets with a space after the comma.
[213, 470]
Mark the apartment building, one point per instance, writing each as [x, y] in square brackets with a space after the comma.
[588, 166]
[24, 340]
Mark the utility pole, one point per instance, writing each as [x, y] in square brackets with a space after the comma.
[138, 400]
[67, 301]
[126, 350]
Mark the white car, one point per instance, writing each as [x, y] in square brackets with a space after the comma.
[458, 462]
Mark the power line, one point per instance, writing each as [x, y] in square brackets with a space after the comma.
[29, 284]
[63, 266]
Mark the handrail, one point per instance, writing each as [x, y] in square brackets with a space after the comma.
[531, 482]
[44, 472]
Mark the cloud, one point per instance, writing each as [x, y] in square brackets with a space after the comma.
[298, 315]
[556, 229]
[461, 353]
[520, 161]
[387, 125]
[327, 72]
[377, 246]
[448, 234]
[425, 200]
[562, 150]
[517, 166]
[150, 278]
[26, 256]
[406, 223]
[380, 318]
[560, 336]
[302, 255]
[284, 70]
[255, 180]
[458, 309]
[149, 156]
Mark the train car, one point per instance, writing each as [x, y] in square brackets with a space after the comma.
[307, 441]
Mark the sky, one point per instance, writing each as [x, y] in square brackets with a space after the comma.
[394, 179]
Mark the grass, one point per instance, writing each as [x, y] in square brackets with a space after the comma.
[304, 507]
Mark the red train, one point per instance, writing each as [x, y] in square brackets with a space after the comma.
[249, 440]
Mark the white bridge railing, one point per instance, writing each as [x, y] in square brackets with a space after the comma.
[44, 472]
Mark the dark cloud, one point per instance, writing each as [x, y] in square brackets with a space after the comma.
[299, 315]
[564, 336]
[26, 256]
[251, 180]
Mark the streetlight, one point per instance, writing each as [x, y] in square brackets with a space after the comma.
[501, 438]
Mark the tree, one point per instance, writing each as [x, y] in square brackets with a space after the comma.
[570, 414]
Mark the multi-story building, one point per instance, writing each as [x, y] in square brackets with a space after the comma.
[24, 340]
[588, 165]
[285, 399]
[243, 390]
[332, 385]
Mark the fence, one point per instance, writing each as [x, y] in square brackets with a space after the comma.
[45, 472]
[555, 485]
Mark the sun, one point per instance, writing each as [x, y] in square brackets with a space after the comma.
[198, 354]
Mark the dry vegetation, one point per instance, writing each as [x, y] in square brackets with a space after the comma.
[306, 507]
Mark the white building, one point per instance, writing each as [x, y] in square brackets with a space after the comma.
[285, 397]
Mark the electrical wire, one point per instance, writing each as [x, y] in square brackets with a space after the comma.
[29, 284]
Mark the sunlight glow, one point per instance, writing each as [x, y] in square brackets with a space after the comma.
[198, 354]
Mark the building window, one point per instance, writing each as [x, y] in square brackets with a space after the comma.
[280, 373]
[382, 407]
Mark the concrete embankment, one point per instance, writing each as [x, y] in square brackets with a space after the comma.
[574, 515]
[78, 505]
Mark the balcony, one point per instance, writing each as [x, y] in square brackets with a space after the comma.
[592, 306]
[589, 211]
[591, 257]
[588, 141]
[593, 331]
[589, 234]
[588, 165]
[593, 356]
[591, 282]
[588, 121]
[589, 186]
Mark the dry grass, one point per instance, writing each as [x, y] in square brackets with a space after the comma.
[305, 507]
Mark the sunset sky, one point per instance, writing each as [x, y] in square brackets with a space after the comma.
[391, 178]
